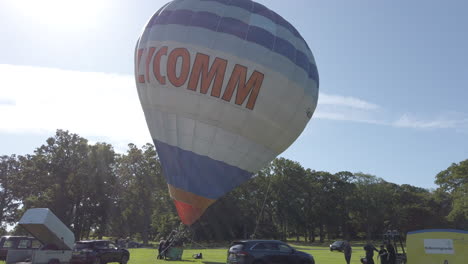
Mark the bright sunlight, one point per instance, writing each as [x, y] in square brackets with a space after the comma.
[60, 14]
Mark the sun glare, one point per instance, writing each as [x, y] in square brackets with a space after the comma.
[61, 14]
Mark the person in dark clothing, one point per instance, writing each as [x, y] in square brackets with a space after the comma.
[383, 255]
[347, 250]
[391, 254]
[161, 246]
[369, 248]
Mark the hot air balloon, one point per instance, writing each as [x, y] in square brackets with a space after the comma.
[225, 86]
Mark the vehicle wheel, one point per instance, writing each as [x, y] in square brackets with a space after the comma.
[124, 259]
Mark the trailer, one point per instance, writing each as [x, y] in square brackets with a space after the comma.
[437, 246]
[57, 239]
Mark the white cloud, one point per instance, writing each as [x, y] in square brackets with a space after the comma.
[447, 121]
[346, 101]
[347, 108]
[42, 100]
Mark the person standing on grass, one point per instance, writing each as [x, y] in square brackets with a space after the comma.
[162, 243]
[383, 255]
[369, 248]
[347, 250]
[391, 254]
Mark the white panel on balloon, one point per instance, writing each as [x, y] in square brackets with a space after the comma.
[170, 125]
[187, 102]
[224, 139]
[204, 131]
[211, 110]
[201, 147]
[255, 129]
[185, 130]
[155, 122]
[234, 118]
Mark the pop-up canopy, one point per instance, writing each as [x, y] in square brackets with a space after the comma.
[47, 228]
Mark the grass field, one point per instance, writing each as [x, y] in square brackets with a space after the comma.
[322, 255]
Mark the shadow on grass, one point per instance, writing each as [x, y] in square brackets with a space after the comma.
[177, 261]
[308, 248]
[209, 262]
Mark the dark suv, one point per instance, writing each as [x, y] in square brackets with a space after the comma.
[17, 242]
[266, 251]
[99, 252]
[337, 245]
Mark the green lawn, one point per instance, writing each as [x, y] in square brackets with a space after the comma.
[218, 256]
[322, 255]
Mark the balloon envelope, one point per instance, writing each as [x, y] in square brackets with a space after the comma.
[225, 86]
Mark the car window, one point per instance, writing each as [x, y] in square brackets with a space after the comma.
[36, 244]
[112, 245]
[24, 243]
[259, 246]
[101, 245]
[8, 244]
[271, 246]
[285, 248]
[80, 246]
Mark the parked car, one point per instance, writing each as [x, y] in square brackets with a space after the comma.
[337, 245]
[266, 251]
[99, 252]
[17, 242]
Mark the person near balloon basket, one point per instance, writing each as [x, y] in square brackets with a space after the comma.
[161, 248]
[369, 248]
[383, 255]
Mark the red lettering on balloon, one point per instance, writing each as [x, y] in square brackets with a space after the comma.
[252, 87]
[148, 61]
[202, 75]
[157, 65]
[184, 55]
[200, 70]
[141, 77]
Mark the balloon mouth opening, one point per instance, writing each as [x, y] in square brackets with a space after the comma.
[188, 214]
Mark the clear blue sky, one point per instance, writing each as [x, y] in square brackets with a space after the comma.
[393, 94]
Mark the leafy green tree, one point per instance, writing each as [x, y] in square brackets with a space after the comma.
[54, 173]
[96, 192]
[9, 198]
[454, 180]
[138, 172]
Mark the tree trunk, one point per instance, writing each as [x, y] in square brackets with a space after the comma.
[322, 235]
[312, 235]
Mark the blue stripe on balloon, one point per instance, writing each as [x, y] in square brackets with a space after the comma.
[261, 37]
[283, 29]
[286, 49]
[260, 9]
[198, 174]
[181, 17]
[231, 26]
[243, 14]
[236, 28]
[206, 20]
[244, 4]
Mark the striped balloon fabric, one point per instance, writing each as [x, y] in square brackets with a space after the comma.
[226, 86]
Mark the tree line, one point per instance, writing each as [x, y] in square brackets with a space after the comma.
[98, 192]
